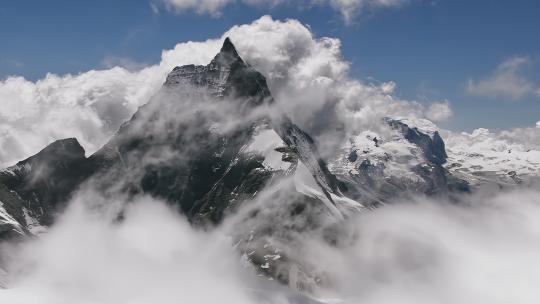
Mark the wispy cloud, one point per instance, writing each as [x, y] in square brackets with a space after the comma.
[124, 62]
[507, 81]
[13, 63]
[349, 9]
[154, 8]
[439, 111]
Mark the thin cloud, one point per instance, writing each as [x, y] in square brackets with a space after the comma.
[123, 62]
[507, 81]
[349, 9]
[439, 111]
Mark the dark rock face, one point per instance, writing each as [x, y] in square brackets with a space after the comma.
[43, 183]
[13, 223]
[438, 179]
[227, 74]
[433, 147]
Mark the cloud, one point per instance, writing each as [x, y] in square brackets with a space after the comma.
[418, 251]
[212, 7]
[310, 80]
[436, 252]
[518, 139]
[506, 81]
[152, 256]
[307, 75]
[349, 9]
[89, 106]
[123, 62]
[439, 111]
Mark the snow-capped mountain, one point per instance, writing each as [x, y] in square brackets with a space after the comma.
[213, 139]
[411, 160]
[183, 148]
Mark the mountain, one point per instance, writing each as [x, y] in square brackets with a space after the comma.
[408, 161]
[207, 141]
[213, 139]
[32, 191]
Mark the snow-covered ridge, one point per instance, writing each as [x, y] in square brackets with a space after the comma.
[483, 153]
[267, 142]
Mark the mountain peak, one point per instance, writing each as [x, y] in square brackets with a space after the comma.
[227, 55]
[60, 150]
[226, 73]
[228, 47]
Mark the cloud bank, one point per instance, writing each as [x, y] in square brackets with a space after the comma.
[432, 252]
[152, 256]
[420, 251]
[306, 74]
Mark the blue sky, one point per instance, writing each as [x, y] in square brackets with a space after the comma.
[431, 49]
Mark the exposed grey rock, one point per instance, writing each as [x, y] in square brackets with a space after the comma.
[44, 182]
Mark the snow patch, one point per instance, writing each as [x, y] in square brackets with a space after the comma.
[7, 219]
[264, 143]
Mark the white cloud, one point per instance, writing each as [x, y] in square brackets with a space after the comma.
[152, 256]
[349, 9]
[212, 7]
[309, 79]
[436, 252]
[89, 106]
[307, 75]
[110, 62]
[506, 81]
[518, 139]
[418, 251]
[439, 111]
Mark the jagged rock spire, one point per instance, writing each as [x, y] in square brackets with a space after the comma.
[226, 74]
[228, 55]
[228, 47]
